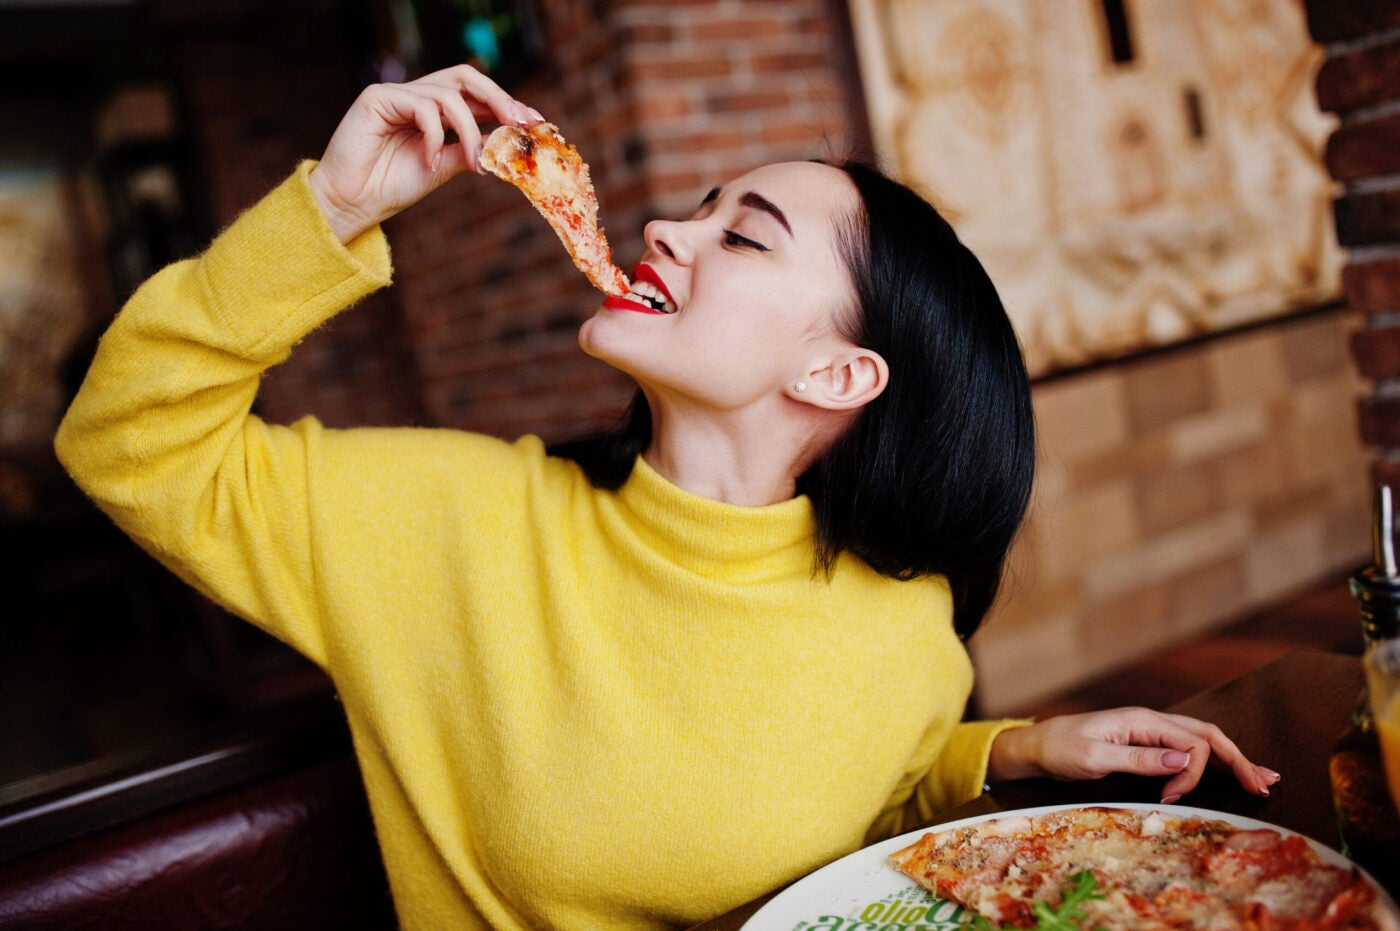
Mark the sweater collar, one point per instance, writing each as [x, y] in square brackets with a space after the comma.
[711, 535]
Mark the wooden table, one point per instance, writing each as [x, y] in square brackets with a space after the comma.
[1284, 715]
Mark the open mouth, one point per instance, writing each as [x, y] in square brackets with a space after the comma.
[644, 292]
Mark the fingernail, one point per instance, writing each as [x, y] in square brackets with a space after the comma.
[1264, 791]
[437, 161]
[1175, 759]
[536, 114]
[1273, 776]
[522, 113]
[1170, 799]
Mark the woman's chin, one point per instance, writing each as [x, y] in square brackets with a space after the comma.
[589, 339]
[595, 338]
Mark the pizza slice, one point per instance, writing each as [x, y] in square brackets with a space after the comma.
[550, 172]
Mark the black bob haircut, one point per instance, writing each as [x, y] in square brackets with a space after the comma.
[933, 476]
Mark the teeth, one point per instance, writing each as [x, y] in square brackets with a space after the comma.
[646, 289]
[651, 294]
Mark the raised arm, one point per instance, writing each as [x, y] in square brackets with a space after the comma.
[160, 434]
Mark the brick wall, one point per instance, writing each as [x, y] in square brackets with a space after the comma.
[1360, 81]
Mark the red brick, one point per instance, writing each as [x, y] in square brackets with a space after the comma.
[1335, 20]
[754, 27]
[730, 102]
[1366, 149]
[617, 121]
[648, 34]
[786, 133]
[679, 182]
[619, 199]
[1360, 78]
[789, 61]
[679, 69]
[1373, 287]
[711, 141]
[1366, 219]
[1376, 351]
[1379, 420]
[824, 92]
[662, 105]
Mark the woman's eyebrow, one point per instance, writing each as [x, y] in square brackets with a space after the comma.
[757, 202]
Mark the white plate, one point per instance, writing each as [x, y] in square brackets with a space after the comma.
[862, 892]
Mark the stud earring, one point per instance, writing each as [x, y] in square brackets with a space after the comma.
[800, 387]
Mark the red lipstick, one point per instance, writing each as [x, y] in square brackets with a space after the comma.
[644, 272]
[622, 303]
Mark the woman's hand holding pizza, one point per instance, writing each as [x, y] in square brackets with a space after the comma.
[1123, 740]
[391, 147]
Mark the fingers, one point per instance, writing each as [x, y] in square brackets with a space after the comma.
[389, 149]
[1197, 752]
[1223, 750]
[1200, 742]
[1150, 743]
[400, 104]
[466, 95]
[459, 116]
[1177, 755]
[480, 89]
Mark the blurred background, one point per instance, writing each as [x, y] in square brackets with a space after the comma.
[1154, 186]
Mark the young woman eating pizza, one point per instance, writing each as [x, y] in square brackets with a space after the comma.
[640, 683]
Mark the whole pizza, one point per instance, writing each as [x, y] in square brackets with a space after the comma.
[1114, 868]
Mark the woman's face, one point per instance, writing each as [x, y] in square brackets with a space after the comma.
[735, 304]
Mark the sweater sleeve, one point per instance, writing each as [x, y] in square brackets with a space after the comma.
[160, 435]
[956, 775]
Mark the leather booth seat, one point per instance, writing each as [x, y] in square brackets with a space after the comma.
[293, 850]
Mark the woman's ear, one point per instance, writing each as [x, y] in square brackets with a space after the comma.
[846, 382]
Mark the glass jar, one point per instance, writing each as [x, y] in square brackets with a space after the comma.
[1366, 816]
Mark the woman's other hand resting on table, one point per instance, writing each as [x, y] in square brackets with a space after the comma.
[1123, 740]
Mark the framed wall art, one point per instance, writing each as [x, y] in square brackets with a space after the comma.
[1133, 174]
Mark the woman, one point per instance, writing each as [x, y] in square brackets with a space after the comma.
[630, 691]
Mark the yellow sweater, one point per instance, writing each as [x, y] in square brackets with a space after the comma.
[572, 708]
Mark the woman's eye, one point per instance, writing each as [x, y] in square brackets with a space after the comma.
[732, 238]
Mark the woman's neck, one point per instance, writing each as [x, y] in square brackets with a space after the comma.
[751, 458]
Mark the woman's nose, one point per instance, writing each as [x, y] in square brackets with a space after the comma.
[669, 238]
